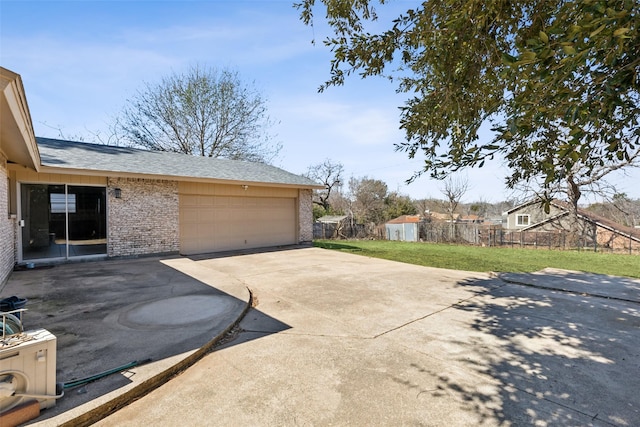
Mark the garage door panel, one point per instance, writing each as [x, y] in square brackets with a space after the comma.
[217, 223]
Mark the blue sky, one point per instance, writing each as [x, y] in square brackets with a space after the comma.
[81, 60]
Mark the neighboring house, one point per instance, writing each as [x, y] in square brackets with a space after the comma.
[404, 228]
[70, 200]
[532, 217]
[531, 214]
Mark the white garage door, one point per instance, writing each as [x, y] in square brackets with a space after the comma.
[220, 223]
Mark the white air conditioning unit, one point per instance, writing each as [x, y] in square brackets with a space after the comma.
[28, 369]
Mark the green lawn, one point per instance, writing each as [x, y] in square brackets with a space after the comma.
[474, 258]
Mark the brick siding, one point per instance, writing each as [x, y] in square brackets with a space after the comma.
[145, 219]
[7, 226]
[305, 216]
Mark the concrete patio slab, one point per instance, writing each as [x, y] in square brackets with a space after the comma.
[108, 314]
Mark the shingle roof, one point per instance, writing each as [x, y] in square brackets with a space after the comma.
[332, 219]
[113, 160]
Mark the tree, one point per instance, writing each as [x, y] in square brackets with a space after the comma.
[558, 81]
[620, 208]
[329, 174]
[453, 190]
[397, 204]
[204, 112]
[480, 207]
[368, 199]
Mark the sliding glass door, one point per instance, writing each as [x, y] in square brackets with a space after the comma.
[62, 221]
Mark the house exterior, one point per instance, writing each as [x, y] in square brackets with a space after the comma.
[17, 146]
[601, 231]
[404, 228]
[531, 214]
[65, 200]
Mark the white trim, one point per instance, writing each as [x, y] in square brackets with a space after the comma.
[19, 249]
[522, 223]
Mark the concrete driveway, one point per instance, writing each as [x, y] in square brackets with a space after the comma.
[340, 339]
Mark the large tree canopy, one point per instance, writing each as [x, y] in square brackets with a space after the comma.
[203, 112]
[558, 81]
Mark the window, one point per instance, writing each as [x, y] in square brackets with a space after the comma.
[522, 220]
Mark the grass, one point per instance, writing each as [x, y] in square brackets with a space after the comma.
[474, 258]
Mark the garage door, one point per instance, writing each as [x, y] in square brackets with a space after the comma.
[220, 223]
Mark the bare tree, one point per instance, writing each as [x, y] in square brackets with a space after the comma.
[620, 208]
[453, 190]
[203, 112]
[329, 174]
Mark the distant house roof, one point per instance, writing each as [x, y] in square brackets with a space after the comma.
[601, 221]
[520, 206]
[444, 216]
[106, 159]
[332, 219]
[404, 219]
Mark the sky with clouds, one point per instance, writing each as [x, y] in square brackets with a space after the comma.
[81, 60]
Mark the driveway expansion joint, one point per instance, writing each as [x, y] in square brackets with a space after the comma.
[567, 291]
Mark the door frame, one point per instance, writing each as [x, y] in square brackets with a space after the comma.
[19, 239]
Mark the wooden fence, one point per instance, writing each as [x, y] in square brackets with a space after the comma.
[484, 235]
[340, 230]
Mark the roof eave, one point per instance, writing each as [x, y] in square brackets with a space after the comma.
[119, 174]
[17, 139]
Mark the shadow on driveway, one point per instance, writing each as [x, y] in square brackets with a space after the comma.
[108, 314]
[559, 357]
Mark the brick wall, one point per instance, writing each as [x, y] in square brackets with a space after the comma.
[145, 219]
[7, 226]
[305, 216]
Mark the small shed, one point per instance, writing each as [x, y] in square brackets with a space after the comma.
[404, 228]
